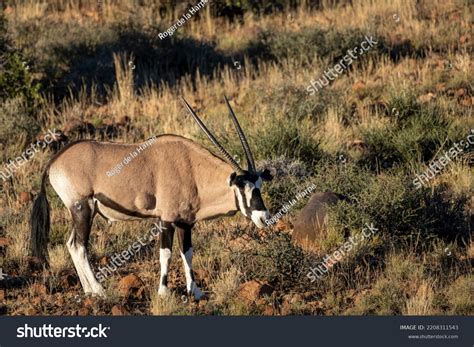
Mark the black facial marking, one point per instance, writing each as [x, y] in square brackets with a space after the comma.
[256, 202]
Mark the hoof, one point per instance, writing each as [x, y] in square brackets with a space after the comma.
[163, 291]
[196, 292]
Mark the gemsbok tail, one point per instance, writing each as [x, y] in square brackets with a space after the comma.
[40, 223]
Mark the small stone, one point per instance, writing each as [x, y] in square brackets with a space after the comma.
[426, 97]
[128, 283]
[440, 87]
[464, 39]
[466, 102]
[282, 226]
[31, 311]
[104, 260]
[25, 197]
[119, 310]
[253, 290]
[85, 311]
[88, 302]
[4, 242]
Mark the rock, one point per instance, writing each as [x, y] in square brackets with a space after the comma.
[25, 197]
[31, 311]
[464, 39]
[39, 289]
[4, 242]
[119, 310]
[426, 98]
[88, 302]
[460, 92]
[466, 102]
[104, 260]
[282, 226]
[311, 221]
[253, 290]
[85, 311]
[268, 311]
[440, 87]
[2, 294]
[128, 283]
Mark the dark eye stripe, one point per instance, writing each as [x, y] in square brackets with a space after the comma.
[256, 202]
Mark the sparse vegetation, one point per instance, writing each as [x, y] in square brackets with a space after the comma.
[365, 136]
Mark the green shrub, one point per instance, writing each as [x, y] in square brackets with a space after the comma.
[16, 122]
[277, 260]
[414, 135]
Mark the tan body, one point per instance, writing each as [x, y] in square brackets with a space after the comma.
[173, 179]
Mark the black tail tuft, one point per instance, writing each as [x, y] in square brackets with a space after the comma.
[40, 224]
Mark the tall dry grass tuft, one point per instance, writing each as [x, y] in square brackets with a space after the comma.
[59, 258]
[169, 305]
[421, 304]
[124, 93]
[17, 251]
[225, 286]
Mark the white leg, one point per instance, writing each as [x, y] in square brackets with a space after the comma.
[188, 270]
[83, 268]
[165, 256]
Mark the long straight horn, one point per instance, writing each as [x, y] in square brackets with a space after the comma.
[243, 139]
[211, 137]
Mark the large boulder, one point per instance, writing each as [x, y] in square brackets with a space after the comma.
[311, 221]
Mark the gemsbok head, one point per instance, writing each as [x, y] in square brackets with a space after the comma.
[170, 179]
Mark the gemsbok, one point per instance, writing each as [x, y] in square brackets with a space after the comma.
[175, 181]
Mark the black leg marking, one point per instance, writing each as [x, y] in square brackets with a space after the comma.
[186, 248]
[82, 216]
[166, 247]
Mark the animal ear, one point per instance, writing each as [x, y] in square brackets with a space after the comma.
[266, 175]
[232, 178]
